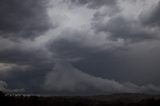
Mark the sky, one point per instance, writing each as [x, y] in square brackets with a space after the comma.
[80, 47]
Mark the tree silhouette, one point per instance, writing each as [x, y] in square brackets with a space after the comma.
[2, 94]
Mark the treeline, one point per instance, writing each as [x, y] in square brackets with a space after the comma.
[6, 100]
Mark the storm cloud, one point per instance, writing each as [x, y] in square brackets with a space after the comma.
[107, 44]
[66, 77]
[151, 17]
[23, 18]
[3, 86]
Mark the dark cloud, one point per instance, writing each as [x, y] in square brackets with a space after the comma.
[3, 86]
[138, 61]
[60, 80]
[121, 27]
[66, 49]
[23, 18]
[23, 67]
[66, 77]
[31, 79]
[151, 17]
[21, 56]
[110, 46]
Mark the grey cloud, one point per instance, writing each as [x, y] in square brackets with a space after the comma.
[121, 27]
[95, 3]
[66, 77]
[7, 69]
[137, 63]
[66, 49]
[103, 50]
[29, 77]
[3, 86]
[23, 18]
[21, 51]
[151, 17]
[23, 65]
[140, 62]
[20, 57]
[100, 15]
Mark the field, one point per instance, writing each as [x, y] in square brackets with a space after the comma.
[110, 100]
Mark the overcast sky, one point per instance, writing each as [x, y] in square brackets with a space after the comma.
[78, 47]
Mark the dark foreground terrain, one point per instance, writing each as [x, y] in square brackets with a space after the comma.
[111, 100]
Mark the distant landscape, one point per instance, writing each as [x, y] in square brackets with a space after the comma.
[79, 52]
[101, 100]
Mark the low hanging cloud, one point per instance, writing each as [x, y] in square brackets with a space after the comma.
[4, 88]
[66, 78]
[7, 69]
